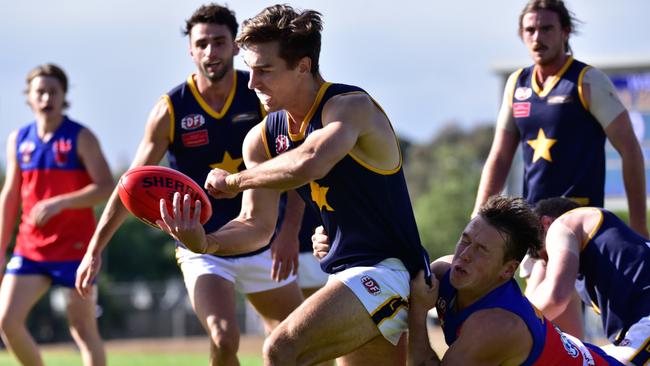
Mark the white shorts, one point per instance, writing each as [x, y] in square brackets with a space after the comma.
[310, 275]
[526, 266]
[384, 291]
[249, 274]
[635, 347]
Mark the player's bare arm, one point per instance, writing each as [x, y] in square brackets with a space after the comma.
[321, 150]
[497, 165]
[98, 190]
[553, 287]
[286, 245]
[423, 298]
[251, 230]
[490, 337]
[504, 145]
[622, 137]
[152, 148]
[9, 198]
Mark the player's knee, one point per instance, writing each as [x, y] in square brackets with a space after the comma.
[225, 340]
[9, 323]
[279, 348]
[84, 328]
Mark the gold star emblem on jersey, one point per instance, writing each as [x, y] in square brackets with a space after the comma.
[228, 164]
[542, 146]
[319, 195]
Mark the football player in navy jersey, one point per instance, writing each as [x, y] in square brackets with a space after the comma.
[201, 124]
[336, 146]
[613, 262]
[560, 111]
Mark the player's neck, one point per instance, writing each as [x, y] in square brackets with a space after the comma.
[543, 72]
[305, 99]
[215, 93]
[468, 296]
[46, 125]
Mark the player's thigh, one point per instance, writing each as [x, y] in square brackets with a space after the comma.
[330, 323]
[276, 304]
[19, 293]
[212, 297]
[378, 352]
[81, 310]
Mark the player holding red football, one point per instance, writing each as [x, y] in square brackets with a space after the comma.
[201, 124]
[56, 172]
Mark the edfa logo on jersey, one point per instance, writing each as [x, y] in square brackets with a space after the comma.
[191, 122]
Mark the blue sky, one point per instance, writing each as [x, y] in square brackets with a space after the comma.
[428, 63]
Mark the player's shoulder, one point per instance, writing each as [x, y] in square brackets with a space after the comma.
[496, 333]
[595, 76]
[354, 105]
[488, 321]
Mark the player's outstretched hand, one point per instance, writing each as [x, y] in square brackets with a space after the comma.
[216, 184]
[183, 224]
[320, 243]
[86, 273]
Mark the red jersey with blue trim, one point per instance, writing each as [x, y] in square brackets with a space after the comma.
[48, 169]
[563, 144]
[551, 347]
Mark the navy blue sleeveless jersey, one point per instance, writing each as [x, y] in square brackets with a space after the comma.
[310, 221]
[563, 144]
[550, 347]
[366, 211]
[202, 138]
[615, 263]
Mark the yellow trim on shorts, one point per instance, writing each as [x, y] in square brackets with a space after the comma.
[645, 347]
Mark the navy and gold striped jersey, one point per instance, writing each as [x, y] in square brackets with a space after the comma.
[615, 265]
[202, 139]
[366, 211]
[563, 144]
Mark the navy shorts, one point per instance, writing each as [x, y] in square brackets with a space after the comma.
[61, 273]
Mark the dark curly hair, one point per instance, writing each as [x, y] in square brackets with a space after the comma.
[212, 14]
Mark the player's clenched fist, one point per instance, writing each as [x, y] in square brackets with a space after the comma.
[217, 185]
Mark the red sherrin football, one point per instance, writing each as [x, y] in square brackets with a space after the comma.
[141, 189]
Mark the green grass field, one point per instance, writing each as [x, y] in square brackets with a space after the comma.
[71, 358]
